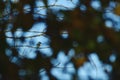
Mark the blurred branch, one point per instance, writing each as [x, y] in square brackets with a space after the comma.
[27, 36]
[93, 63]
[31, 46]
[42, 7]
[53, 5]
[26, 31]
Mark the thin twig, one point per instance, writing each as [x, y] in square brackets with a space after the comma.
[26, 31]
[27, 36]
[32, 46]
[94, 65]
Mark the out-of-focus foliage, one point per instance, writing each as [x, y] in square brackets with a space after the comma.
[84, 26]
[117, 9]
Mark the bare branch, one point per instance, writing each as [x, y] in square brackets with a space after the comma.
[26, 31]
[31, 46]
[26, 36]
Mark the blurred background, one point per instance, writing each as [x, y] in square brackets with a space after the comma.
[59, 39]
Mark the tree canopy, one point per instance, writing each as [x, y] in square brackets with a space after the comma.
[33, 33]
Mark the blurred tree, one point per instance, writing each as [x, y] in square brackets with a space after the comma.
[83, 25]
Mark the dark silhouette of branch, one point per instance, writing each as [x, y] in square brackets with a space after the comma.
[37, 35]
[30, 46]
